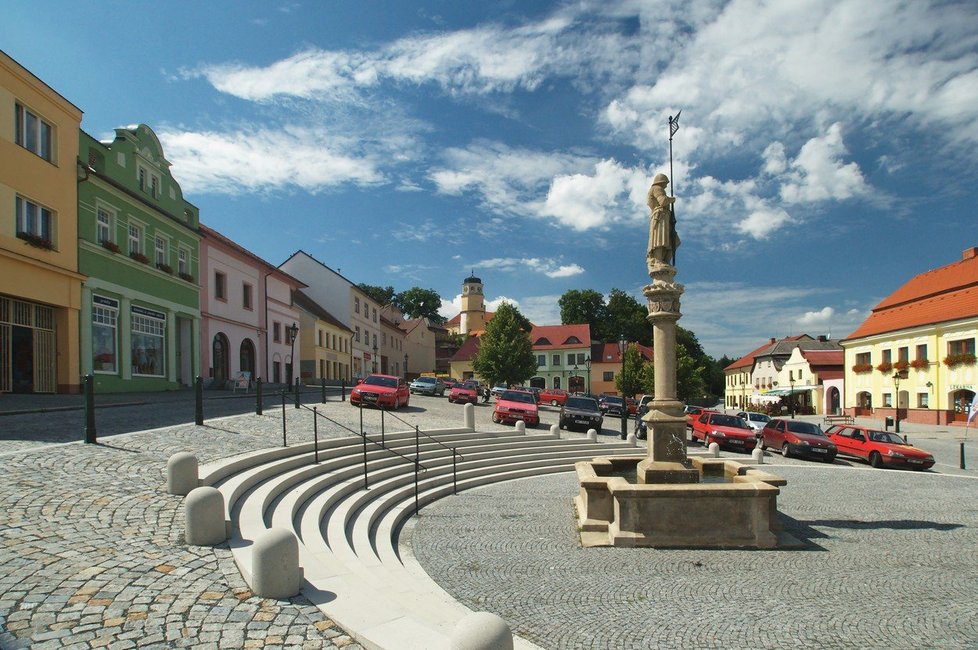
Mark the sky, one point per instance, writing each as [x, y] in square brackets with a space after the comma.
[826, 152]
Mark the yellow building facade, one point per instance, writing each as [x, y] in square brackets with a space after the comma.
[40, 287]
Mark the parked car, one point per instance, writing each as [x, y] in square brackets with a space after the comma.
[798, 438]
[449, 383]
[757, 421]
[498, 388]
[466, 392]
[612, 405]
[532, 389]
[382, 391]
[725, 430]
[692, 413]
[580, 412]
[553, 396]
[879, 448]
[515, 405]
[427, 386]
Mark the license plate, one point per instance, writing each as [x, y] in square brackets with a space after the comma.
[369, 398]
[916, 461]
[736, 442]
[581, 421]
[820, 451]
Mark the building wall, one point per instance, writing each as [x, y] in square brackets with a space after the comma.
[46, 280]
[325, 350]
[559, 375]
[283, 313]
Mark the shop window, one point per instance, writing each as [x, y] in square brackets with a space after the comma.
[105, 319]
[148, 352]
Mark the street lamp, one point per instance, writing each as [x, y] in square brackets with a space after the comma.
[375, 358]
[897, 376]
[405, 366]
[293, 332]
[791, 396]
[587, 369]
[622, 347]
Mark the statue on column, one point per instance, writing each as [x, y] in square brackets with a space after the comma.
[663, 240]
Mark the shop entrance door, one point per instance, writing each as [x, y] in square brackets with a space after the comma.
[22, 355]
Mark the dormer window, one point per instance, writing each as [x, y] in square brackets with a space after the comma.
[148, 181]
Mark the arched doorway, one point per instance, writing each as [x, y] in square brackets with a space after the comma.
[833, 405]
[538, 382]
[247, 357]
[960, 402]
[219, 358]
[864, 403]
[557, 382]
[575, 384]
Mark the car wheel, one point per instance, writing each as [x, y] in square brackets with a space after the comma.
[785, 450]
[876, 460]
[495, 418]
[553, 402]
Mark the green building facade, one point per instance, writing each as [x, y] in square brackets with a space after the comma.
[139, 245]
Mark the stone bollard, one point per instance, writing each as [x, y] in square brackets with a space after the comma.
[468, 412]
[555, 430]
[714, 450]
[632, 440]
[592, 435]
[521, 427]
[275, 570]
[181, 473]
[204, 523]
[758, 455]
[482, 631]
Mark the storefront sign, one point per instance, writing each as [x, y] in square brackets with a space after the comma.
[961, 387]
[105, 302]
[142, 311]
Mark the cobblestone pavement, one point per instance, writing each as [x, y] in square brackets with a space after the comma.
[889, 562]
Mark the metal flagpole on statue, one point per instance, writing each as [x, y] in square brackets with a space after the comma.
[673, 127]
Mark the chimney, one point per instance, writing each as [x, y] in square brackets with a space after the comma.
[970, 253]
[773, 340]
[822, 338]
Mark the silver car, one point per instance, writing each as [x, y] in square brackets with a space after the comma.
[428, 386]
[757, 421]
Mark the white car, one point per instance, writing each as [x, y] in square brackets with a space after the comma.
[757, 421]
[428, 386]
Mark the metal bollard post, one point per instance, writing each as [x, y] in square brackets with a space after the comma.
[315, 434]
[343, 390]
[383, 430]
[258, 404]
[297, 392]
[324, 389]
[962, 457]
[284, 443]
[199, 392]
[88, 385]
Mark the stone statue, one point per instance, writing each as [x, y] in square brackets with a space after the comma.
[663, 240]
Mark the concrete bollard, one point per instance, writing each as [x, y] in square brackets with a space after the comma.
[758, 455]
[714, 450]
[632, 440]
[555, 430]
[482, 631]
[275, 570]
[468, 412]
[592, 435]
[181, 473]
[521, 427]
[204, 523]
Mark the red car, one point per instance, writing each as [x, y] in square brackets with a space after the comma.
[449, 383]
[880, 448]
[553, 396]
[466, 392]
[725, 430]
[383, 391]
[798, 438]
[515, 405]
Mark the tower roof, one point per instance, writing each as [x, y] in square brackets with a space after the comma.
[472, 280]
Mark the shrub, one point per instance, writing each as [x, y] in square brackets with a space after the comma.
[36, 240]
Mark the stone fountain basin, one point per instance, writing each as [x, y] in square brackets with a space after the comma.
[670, 506]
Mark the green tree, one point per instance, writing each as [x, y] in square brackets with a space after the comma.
[625, 315]
[505, 354]
[689, 378]
[629, 381]
[419, 303]
[585, 306]
[382, 295]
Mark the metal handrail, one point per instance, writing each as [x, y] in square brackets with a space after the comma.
[454, 450]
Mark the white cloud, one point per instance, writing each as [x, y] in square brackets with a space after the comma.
[818, 173]
[541, 310]
[820, 317]
[598, 200]
[550, 267]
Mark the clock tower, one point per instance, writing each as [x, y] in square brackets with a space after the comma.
[473, 306]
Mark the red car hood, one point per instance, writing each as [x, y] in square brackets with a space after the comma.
[466, 391]
[525, 406]
[732, 432]
[811, 439]
[370, 388]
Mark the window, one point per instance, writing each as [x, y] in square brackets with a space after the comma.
[220, 286]
[541, 360]
[103, 225]
[570, 359]
[135, 239]
[34, 220]
[864, 359]
[276, 334]
[161, 253]
[148, 181]
[556, 360]
[375, 314]
[903, 354]
[964, 346]
[33, 133]
[276, 372]
[922, 352]
[148, 329]
[154, 186]
[246, 292]
[356, 305]
[105, 318]
[183, 261]
[319, 336]
[608, 375]
[887, 356]
[358, 334]
[922, 400]
[887, 399]
[375, 340]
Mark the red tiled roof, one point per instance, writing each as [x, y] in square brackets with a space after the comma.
[944, 294]
[468, 350]
[457, 318]
[558, 335]
[609, 353]
[747, 360]
[824, 357]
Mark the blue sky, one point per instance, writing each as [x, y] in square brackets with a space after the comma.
[827, 150]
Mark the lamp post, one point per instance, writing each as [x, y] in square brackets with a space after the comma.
[622, 347]
[375, 358]
[791, 396]
[405, 366]
[293, 333]
[897, 376]
[575, 370]
[587, 369]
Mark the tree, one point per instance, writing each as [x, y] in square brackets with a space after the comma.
[690, 386]
[505, 353]
[419, 303]
[629, 381]
[625, 315]
[584, 306]
[380, 295]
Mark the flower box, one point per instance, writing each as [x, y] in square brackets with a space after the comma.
[186, 276]
[964, 358]
[166, 268]
[919, 364]
[862, 367]
[139, 257]
[110, 246]
[901, 365]
[885, 366]
[36, 240]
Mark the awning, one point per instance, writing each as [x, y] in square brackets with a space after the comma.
[782, 392]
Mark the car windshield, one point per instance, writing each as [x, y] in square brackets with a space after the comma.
[804, 427]
[692, 410]
[728, 421]
[583, 403]
[614, 400]
[519, 396]
[885, 436]
[424, 380]
[471, 385]
[374, 380]
[758, 417]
